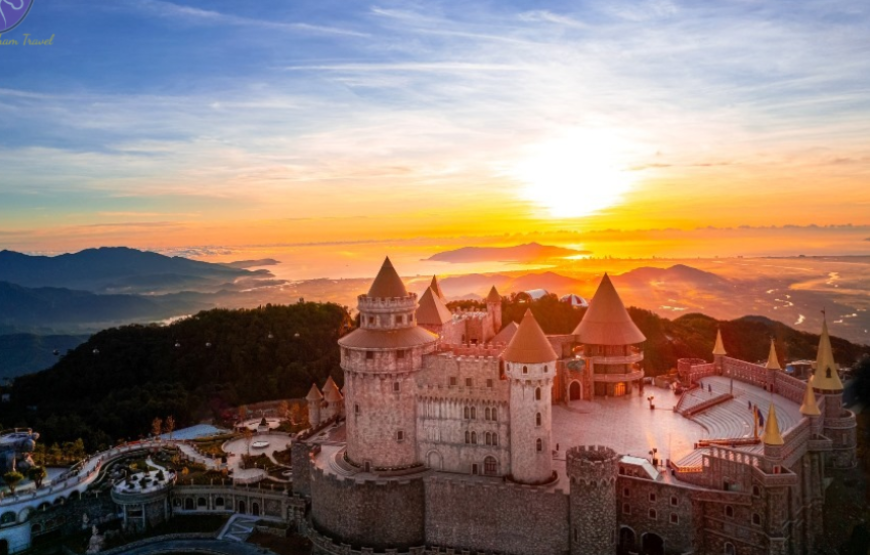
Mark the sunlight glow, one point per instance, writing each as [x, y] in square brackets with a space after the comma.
[577, 174]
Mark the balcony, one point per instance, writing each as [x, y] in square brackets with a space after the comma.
[614, 378]
[621, 359]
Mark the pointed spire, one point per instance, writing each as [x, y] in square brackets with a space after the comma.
[809, 406]
[719, 347]
[826, 376]
[436, 287]
[772, 360]
[771, 428]
[388, 283]
[330, 391]
[529, 344]
[493, 296]
[506, 334]
[606, 322]
[314, 393]
[432, 310]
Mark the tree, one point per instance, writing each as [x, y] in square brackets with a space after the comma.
[37, 474]
[283, 409]
[169, 425]
[156, 426]
[12, 478]
[295, 414]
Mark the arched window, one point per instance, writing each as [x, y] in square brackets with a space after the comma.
[473, 413]
[495, 439]
[546, 369]
[537, 394]
[467, 436]
[526, 370]
[729, 511]
[218, 501]
[756, 491]
[756, 519]
[467, 413]
[538, 419]
[490, 466]
[729, 549]
[494, 413]
[487, 438]
[652, 514]
[474, 438]
[486, 414]
[827, 372]
[200, 502]
[539, 445]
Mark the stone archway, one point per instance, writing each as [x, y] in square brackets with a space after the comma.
[4, 547]
[242, 507]
[575, 391]
[255, 508]
[653, 544]
[434, 461]
[627, 541]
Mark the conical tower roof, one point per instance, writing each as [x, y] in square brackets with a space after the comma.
[314, 394]
[772, 360]
[771, 428]
[719, 347]
[330, 391]
[432, 310]
[826, 377]
[435, 286]
[506, 334]
[809, 407]
[607, 322]
[388, 283]
[493, 296]
[529, 344]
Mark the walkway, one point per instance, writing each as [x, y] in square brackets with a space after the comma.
[238, 528]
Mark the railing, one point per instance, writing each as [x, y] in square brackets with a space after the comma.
[613, 378]
[624, 359]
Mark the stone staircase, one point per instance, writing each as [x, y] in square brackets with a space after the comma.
[238, 528]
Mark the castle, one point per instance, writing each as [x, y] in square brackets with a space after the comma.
[456, 434]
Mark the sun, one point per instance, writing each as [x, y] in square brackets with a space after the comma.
[575, 174]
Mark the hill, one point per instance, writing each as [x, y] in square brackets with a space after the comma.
[530, 252]
[117, 270]
[114, 384]
[25, 353]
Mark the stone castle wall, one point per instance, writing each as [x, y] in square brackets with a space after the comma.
[377, 514]
[492, 516]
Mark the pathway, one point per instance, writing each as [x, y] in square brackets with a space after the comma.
[238, 528]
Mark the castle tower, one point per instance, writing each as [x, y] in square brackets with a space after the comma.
[810, 408]
[333, 398]
[592, 471]
[610, 340]
[719, 351]
[839, 424]
[314, 398]
[530, 365]
[432, 313]
[380, 360]
[493, 306]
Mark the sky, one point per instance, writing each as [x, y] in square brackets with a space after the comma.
[345, 130]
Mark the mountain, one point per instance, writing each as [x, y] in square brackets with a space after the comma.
[678, 274]
[25, 353]
[55, 308]
[117, 270]
[530, 252]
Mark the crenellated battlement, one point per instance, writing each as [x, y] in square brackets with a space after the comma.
[592, 465]
[488, 350]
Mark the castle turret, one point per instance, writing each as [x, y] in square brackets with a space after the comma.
[333, 398]
[432, 313]
[719, 351]
[592, 471]
[493, 306]
[839, 424]
[380, 360]
[436, 288]
[530, 365]
[610, 343]
[315, 399]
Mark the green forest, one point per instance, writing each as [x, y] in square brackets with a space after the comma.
[112, 387]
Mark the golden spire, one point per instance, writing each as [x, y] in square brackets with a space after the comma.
[772, 360]
[809, 406]
[771, 428]
[826, 377]
[719, 348]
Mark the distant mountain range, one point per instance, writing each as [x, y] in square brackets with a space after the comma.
[528, 253]
[119, 270]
